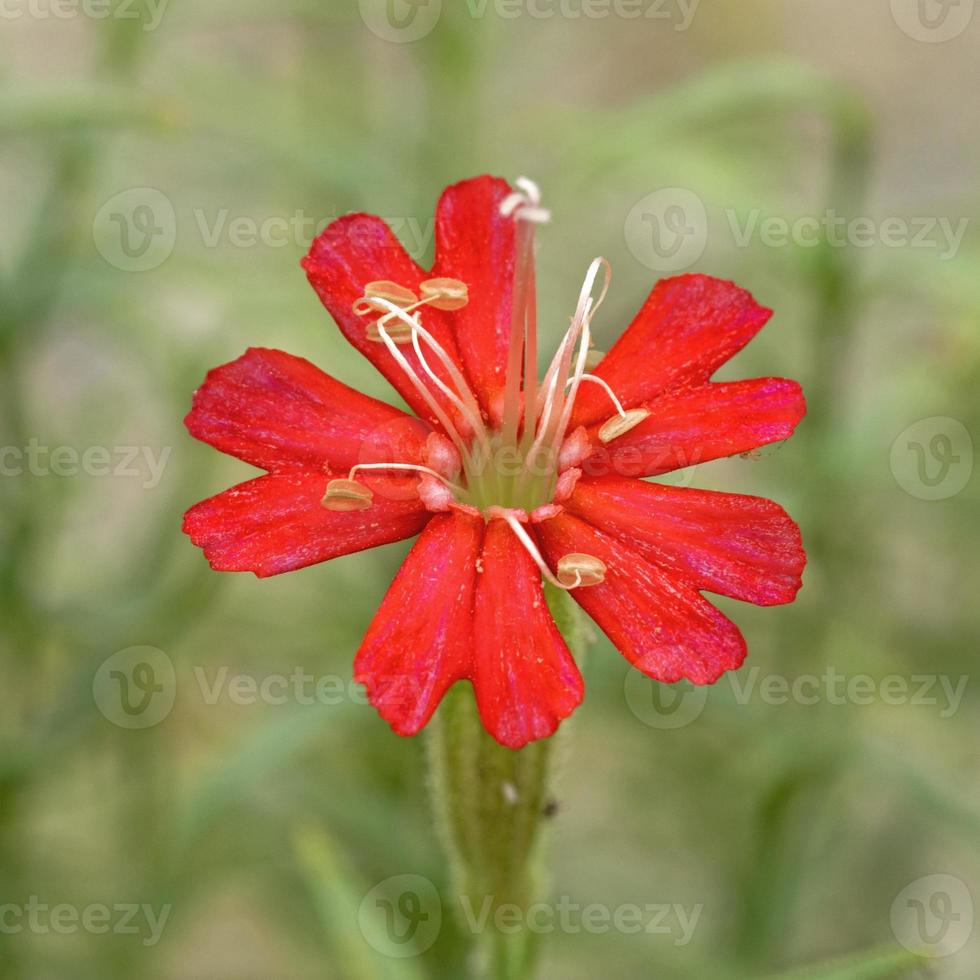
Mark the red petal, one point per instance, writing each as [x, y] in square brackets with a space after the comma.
[352, 252]
[688, 327]
[656, 620]
[744, 547]
[276, 523]
[420, 641]
[525, 678]
[695, 425]
[475, 243]
[281, 412]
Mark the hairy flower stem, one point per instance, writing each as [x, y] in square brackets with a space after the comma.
[491, 803]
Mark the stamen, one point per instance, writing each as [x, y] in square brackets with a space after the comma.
[619, 425]
[525, 203]
[466, 404]
[391, 291]
[524, 206]
[436, 408]
[582, 569]
[347, 495]
[408, 326]
[399, 329]
[400, 466]
[530, 188]
[444, 293]
[587, 310]
[612, 395]
[556, 378]
[441, 293]
[528, 418]
[470, 412]
[587, 570]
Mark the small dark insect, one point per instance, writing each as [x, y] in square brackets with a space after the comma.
[550, 808]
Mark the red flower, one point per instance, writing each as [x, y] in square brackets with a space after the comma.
[502, 495]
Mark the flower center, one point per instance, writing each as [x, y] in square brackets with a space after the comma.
[514, 466]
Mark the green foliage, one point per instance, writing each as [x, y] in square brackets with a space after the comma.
[793, 825]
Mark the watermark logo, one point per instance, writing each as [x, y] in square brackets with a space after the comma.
[664, 706]
[136, 230]
[933, 916]
[400, 21]
[933, 458]
[933, 21]
[135, 687]
[401, 916]
[667, 231]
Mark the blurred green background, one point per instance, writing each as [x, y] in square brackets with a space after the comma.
[161, 177]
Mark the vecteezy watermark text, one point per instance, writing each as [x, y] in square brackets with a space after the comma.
[668, 230]
[402, 916]
[149, 12]
[297, 687]
[405, 21]
[571, 917]
[125, 462]
[138, 229]
[679, 12]
[137, 688]
[667, 706]
[64, 919]
[839, 231]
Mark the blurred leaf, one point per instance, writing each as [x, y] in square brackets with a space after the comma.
[337, 894]
[29, 111]
[263, 750]
[872, 965]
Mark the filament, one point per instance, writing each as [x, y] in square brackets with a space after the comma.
[406, 466]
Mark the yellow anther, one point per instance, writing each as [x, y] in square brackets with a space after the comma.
[391, 291]
[345, 495]
[394, 326]
[619, 425]
[445, 294]
[576, 570]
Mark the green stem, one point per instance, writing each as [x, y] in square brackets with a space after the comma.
[491, 803]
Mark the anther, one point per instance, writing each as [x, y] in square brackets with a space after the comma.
[346, 495]
[379, 296]
[391, 291]
[397, 329]
[574, 570]
[578, 570]
[619, 425]
[444, 294]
